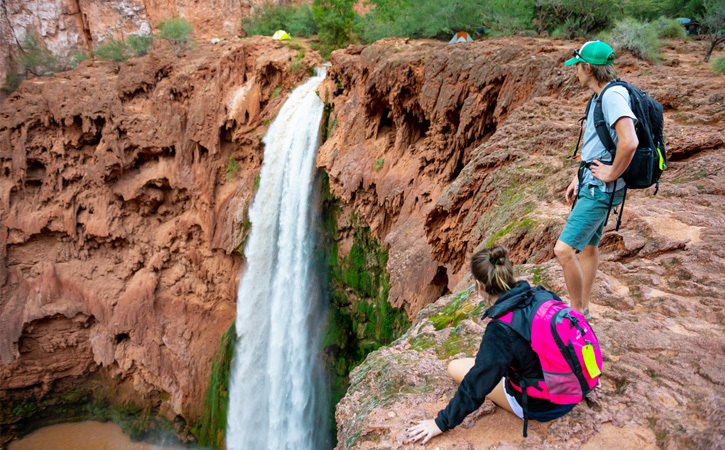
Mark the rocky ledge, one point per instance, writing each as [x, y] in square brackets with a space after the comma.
[443, 150]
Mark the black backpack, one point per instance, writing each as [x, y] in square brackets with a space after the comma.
[650, 158]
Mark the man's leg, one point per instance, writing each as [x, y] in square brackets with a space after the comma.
[573, 273]
[589, 261]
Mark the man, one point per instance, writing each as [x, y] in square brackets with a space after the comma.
[599, 176]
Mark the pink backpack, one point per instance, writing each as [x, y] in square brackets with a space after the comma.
[566, 345]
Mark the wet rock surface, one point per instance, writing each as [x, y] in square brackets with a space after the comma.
[124, 192]
[445, 149]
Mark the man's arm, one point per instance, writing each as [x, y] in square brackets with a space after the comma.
[626, 145]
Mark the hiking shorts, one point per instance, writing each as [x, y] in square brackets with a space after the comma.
[586, 221]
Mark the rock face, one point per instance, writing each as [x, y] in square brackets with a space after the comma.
[67, 26]
[443, 150]
[124, 192]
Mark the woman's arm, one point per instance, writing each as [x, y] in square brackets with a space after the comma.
[492, 361]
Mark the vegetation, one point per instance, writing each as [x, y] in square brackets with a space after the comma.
[176, 30]
[140, 44]
[77, 58]
[361, 319]
[12, 81]
[718, 65]
[297, 20]
[232, 167]
[113, 50]
[336, 20]
[712, 21]
[210, 431]
[639, 38]
[92, 401]
[420, 19]
[34, 56]
[670, 28]
[337, 24]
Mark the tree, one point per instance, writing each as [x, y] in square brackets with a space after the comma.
[336, 21]
[712, 22]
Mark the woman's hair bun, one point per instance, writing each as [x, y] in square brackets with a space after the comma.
[497, 253]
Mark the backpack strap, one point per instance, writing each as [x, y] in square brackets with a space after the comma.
[600, 124]
[581, 128]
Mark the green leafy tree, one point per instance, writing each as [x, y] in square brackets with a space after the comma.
[509, 16]
[713, 24]
[421, 19]
[297, 20]
[336, 20]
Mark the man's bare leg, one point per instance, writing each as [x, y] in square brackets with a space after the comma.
[589, 261]
[573, 273]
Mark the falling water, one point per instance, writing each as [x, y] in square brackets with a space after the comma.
[277, 395]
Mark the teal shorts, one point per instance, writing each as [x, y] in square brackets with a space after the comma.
[586, 221]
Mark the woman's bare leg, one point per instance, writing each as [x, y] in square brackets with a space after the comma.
[458, 368]
[498, 396]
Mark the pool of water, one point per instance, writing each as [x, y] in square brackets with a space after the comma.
[87, 435]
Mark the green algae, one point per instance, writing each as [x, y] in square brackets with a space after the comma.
[92, 400]
[360, 318]
[209, 432]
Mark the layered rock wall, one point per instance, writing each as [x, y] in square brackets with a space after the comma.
[124, 192]
[446, 149]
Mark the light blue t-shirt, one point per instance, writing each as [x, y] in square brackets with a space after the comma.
[615, 105]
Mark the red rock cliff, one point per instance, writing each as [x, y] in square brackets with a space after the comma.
[443, 149]
[124, 191]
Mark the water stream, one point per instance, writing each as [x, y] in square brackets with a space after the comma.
[277, 389]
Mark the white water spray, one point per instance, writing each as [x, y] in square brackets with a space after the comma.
[277, 394]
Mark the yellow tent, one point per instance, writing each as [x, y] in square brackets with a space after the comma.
[281, 35]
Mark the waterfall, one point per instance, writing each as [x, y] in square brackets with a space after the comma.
[277, 397]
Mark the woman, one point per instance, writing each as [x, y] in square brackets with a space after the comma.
[503, 354]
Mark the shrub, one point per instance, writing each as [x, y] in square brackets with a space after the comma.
[639, 38]
[140, 43]
[77, 58]
[35, 56]
[670, 28]
[718, 65]
[176, 30]
[297, 20]
[113, 50]
[12, 82]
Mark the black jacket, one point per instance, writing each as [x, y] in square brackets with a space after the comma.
[501, 349]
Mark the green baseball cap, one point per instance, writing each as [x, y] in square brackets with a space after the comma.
[593, 52]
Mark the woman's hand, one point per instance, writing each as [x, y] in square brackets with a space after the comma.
[424, 432]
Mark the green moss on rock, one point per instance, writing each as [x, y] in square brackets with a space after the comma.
[360, 318]
[210, 430]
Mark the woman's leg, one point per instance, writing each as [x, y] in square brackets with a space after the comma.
[458, 368]
[498, 396]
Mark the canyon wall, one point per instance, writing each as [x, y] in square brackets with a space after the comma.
[444, 149]
[124, 190]
[69, 26]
